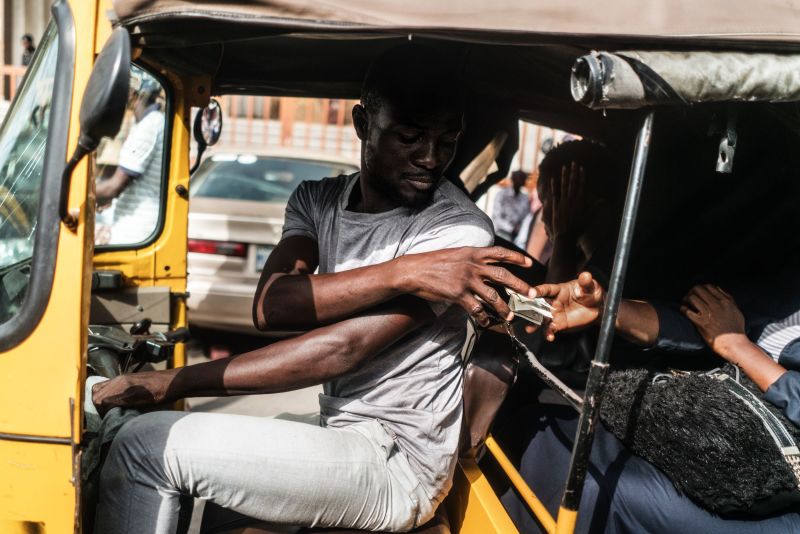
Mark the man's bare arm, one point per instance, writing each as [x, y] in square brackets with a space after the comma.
[289, 297]
[112, 187]
[313, 358]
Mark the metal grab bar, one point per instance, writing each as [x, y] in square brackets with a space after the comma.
[599, 369]
[568, 511]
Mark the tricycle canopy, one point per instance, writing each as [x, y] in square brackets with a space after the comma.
[713, 20]
[517, 56]
[518, 52]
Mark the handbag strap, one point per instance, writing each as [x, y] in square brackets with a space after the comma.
[775, 428]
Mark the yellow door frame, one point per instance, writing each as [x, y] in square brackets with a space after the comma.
[41, 376]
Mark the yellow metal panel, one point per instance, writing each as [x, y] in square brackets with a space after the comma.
[104, 8]
[164, 262]
[41, 374]
[36, 494]
[473, 506]
[21, 527]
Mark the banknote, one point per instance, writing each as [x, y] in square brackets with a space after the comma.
[535, 310]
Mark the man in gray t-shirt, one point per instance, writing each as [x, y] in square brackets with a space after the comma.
[381, 270]
[413, 386]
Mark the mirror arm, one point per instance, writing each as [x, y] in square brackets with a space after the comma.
[214, 130]
[201, 148]
[85, 146]
[102, 110]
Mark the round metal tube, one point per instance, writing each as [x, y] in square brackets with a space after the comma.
[536, 506]
[586, 81]
[599, 368]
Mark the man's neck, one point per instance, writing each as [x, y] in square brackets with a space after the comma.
[365, 199]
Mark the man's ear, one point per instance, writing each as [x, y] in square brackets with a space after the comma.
[360, 121]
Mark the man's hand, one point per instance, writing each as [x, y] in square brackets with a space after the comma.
[717, 318]
[461, 276]
[102, 234]
[576, 304]
[301, 301]
[138, 390]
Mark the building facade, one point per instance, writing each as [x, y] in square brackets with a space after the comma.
[18, 17]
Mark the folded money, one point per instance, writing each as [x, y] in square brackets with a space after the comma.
[533, 310]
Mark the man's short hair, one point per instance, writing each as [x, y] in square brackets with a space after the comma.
[28, 37]
[148, 91]
[411, 74]
[604, 177]
[519, 173]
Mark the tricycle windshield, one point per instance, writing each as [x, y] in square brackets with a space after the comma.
[23, 142]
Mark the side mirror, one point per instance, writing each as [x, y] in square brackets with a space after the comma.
[102, 107]
[106, 95]
[207, 129]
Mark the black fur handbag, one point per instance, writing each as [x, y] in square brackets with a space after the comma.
[711, 434]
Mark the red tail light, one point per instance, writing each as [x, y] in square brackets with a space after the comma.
[224, 248]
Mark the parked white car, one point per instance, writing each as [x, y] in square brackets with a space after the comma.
[236, 215]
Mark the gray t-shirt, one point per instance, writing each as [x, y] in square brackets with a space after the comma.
[413, 387]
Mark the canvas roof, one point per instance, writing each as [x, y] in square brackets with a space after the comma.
[516, 54]
[517, 57]
[777, 20]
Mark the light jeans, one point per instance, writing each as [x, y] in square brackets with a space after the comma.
[271, 469]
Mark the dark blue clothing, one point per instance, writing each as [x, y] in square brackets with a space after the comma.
[785, 394]
[676, 333]
[766, 301]
[785, 391]
[623, 493]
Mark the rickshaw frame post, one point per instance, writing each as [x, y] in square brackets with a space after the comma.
[598, 372]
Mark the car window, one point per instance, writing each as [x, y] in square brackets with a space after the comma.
[129, 215]
[259, 178]
[23, 140]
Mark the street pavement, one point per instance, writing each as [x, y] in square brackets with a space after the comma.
[303, 401]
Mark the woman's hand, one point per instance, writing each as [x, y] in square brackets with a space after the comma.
[576, 304]
[461, 276]
[717, 318]
[721, 324]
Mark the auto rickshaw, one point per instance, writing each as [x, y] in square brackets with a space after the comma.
[611, 72]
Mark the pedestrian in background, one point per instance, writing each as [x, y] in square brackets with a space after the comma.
[511, 206]
[524, 234]
[28, 48]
